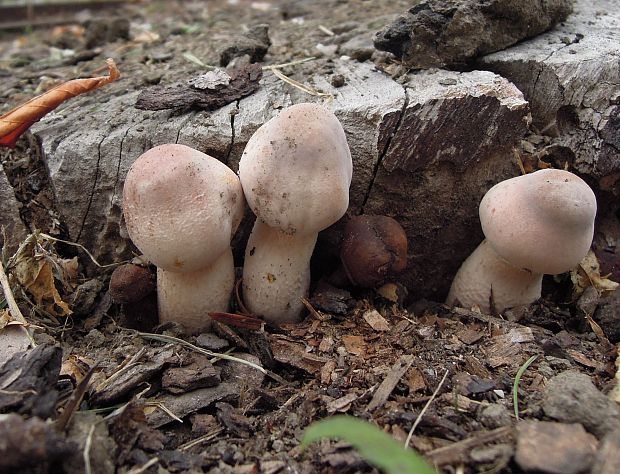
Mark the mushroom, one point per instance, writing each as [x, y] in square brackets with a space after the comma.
[539, 223]
[295, 171]
[182, 208]
[133, 286]
[373, 249]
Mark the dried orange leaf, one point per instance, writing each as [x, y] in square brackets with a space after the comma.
[17, 121]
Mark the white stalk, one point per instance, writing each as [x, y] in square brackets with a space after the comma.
[486, 277]
[187, 298]
[276, 273]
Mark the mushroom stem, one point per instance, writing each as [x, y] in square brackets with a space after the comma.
[485, 278]
[276, 273]
[186, 298]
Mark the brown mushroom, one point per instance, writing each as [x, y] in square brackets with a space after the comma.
[374, 248]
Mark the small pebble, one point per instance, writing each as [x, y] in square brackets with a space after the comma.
[338, 80]
[495, 416]
[571, 397]
[211, 341]
[554, 448]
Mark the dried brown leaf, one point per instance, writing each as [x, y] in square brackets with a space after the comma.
[588, 273]
[35, 269]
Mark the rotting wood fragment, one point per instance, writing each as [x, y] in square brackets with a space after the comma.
[118, 386]
[189, 402]
[440, 33]
[199, 373]
[294, 354]
[28, 443]
[398, 370]
[28, 381]
[201, 92]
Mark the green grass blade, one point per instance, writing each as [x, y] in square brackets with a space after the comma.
[515, 386]
[375, 446]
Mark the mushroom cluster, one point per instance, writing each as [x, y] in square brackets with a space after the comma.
[296, 172]
[539, 223]
[182, 208]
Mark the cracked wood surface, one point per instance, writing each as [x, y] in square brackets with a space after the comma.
[571, 77]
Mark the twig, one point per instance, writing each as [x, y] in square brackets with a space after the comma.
[515, 386]
[74, 403]
[165, 409]
[299, 85]
[519, 162]
[326, 30]
[219, 355]
[196, 60]
[242, 306]
[310, 308]
[163, 338]
[202, 439]
[86, 452]
[80, 246]
[292, 63]
[419, 418]
[124, 367]
[452, 453]
[144, 467]
[10, 300]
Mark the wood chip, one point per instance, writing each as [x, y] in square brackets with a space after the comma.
[389, 383]
[583, 360]
[131, 378]
[469, 335]
[326, 371]
[354, 345]
[415, 380]
[457, 453]
[376, 321]
[295, 354]
[327, 344]
[341, 404]
[189, 402]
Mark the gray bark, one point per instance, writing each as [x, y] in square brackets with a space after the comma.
[571, 77]
[10, 219]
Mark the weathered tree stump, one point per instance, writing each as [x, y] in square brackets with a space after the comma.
[425, 148]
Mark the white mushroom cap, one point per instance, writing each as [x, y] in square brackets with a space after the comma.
[181, 207]
[542, 222]
[296, 170]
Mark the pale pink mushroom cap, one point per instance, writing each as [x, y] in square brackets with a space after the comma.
[181, 207]
[296, 170]
[542, 222]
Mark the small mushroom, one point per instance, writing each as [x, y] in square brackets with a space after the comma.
[296, 171]
[539, 223]
[182, 208]
[133, 287]
[374, 248]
